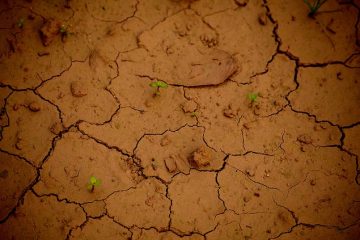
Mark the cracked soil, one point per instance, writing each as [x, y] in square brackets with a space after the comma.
[201, 160]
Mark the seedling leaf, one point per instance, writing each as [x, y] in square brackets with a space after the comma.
[153, 84]
[20, 23]
[314, 7]
[159, 84]
[63, 29]
[162, 84]
[93, 180]
[252, 96]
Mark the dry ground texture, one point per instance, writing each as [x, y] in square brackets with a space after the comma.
[199, 161]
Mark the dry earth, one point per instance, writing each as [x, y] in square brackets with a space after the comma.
[199, 161]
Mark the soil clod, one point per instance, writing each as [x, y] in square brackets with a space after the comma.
[49, 31]
[78, 89]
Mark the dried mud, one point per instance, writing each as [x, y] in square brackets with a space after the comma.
[199, 159]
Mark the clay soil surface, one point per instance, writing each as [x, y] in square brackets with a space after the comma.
[256, 137]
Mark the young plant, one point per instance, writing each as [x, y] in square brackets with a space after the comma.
[157, 85]
[252, 97]
[314, 6]
[64, 31]
[20, 23]
[194, 114]
[93, 181]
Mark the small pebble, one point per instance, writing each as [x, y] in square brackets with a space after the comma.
[262, 19]
[34, 107]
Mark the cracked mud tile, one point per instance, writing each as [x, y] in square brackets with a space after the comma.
[151, 115]
[74, 160]
[273, 86]
[318, 232]
[112, 10]
[143, 234]
[118, 38]
[48, 9]
[4, 93]
[102, 228]
[267, 134]
[241, 35]
[39, 218]
[22, 47]
[4, 121]
[219, 110]
[29, 132]
[352, 140]
[80, 92]
[227, 107]
[198, 192]
[94, 209]
[329, 36]
[144, 206]
[175, 152]
[326, 199]
[288, 169]
[229, 227]
[353, 61]
[246, 226]
[185, 55]
[331, 93]
[15, 177]
[209, 7]
[252, 201]
[87, 32]
[152, 12]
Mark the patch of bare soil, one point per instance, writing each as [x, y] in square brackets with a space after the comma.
[179, 119]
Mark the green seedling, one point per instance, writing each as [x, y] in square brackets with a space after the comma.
[157, 85]
[314, 6]
[92, 183]
[64, 31]
[194, 114]
[252, 97]
[20, 23]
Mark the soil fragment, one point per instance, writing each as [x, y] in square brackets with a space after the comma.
[78, 90]
[201, 157]
[49, 31]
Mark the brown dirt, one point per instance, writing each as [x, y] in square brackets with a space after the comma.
[199, 161]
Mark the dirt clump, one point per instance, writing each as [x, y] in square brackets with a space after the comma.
[230, 112]
[189, 106]
[177, 163]
[49, 31]
[170, 164]
[241, 3]
[78, 90]
[304, 139]
[201, 157]
[165, 141]
[56, 128]
[262, 19]
[34, 107]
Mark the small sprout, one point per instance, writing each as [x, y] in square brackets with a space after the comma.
[20, 23]
[314, 7]
[92, 183]
[194, 114]
[157, 85]
[63, 29]
[252, 97]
